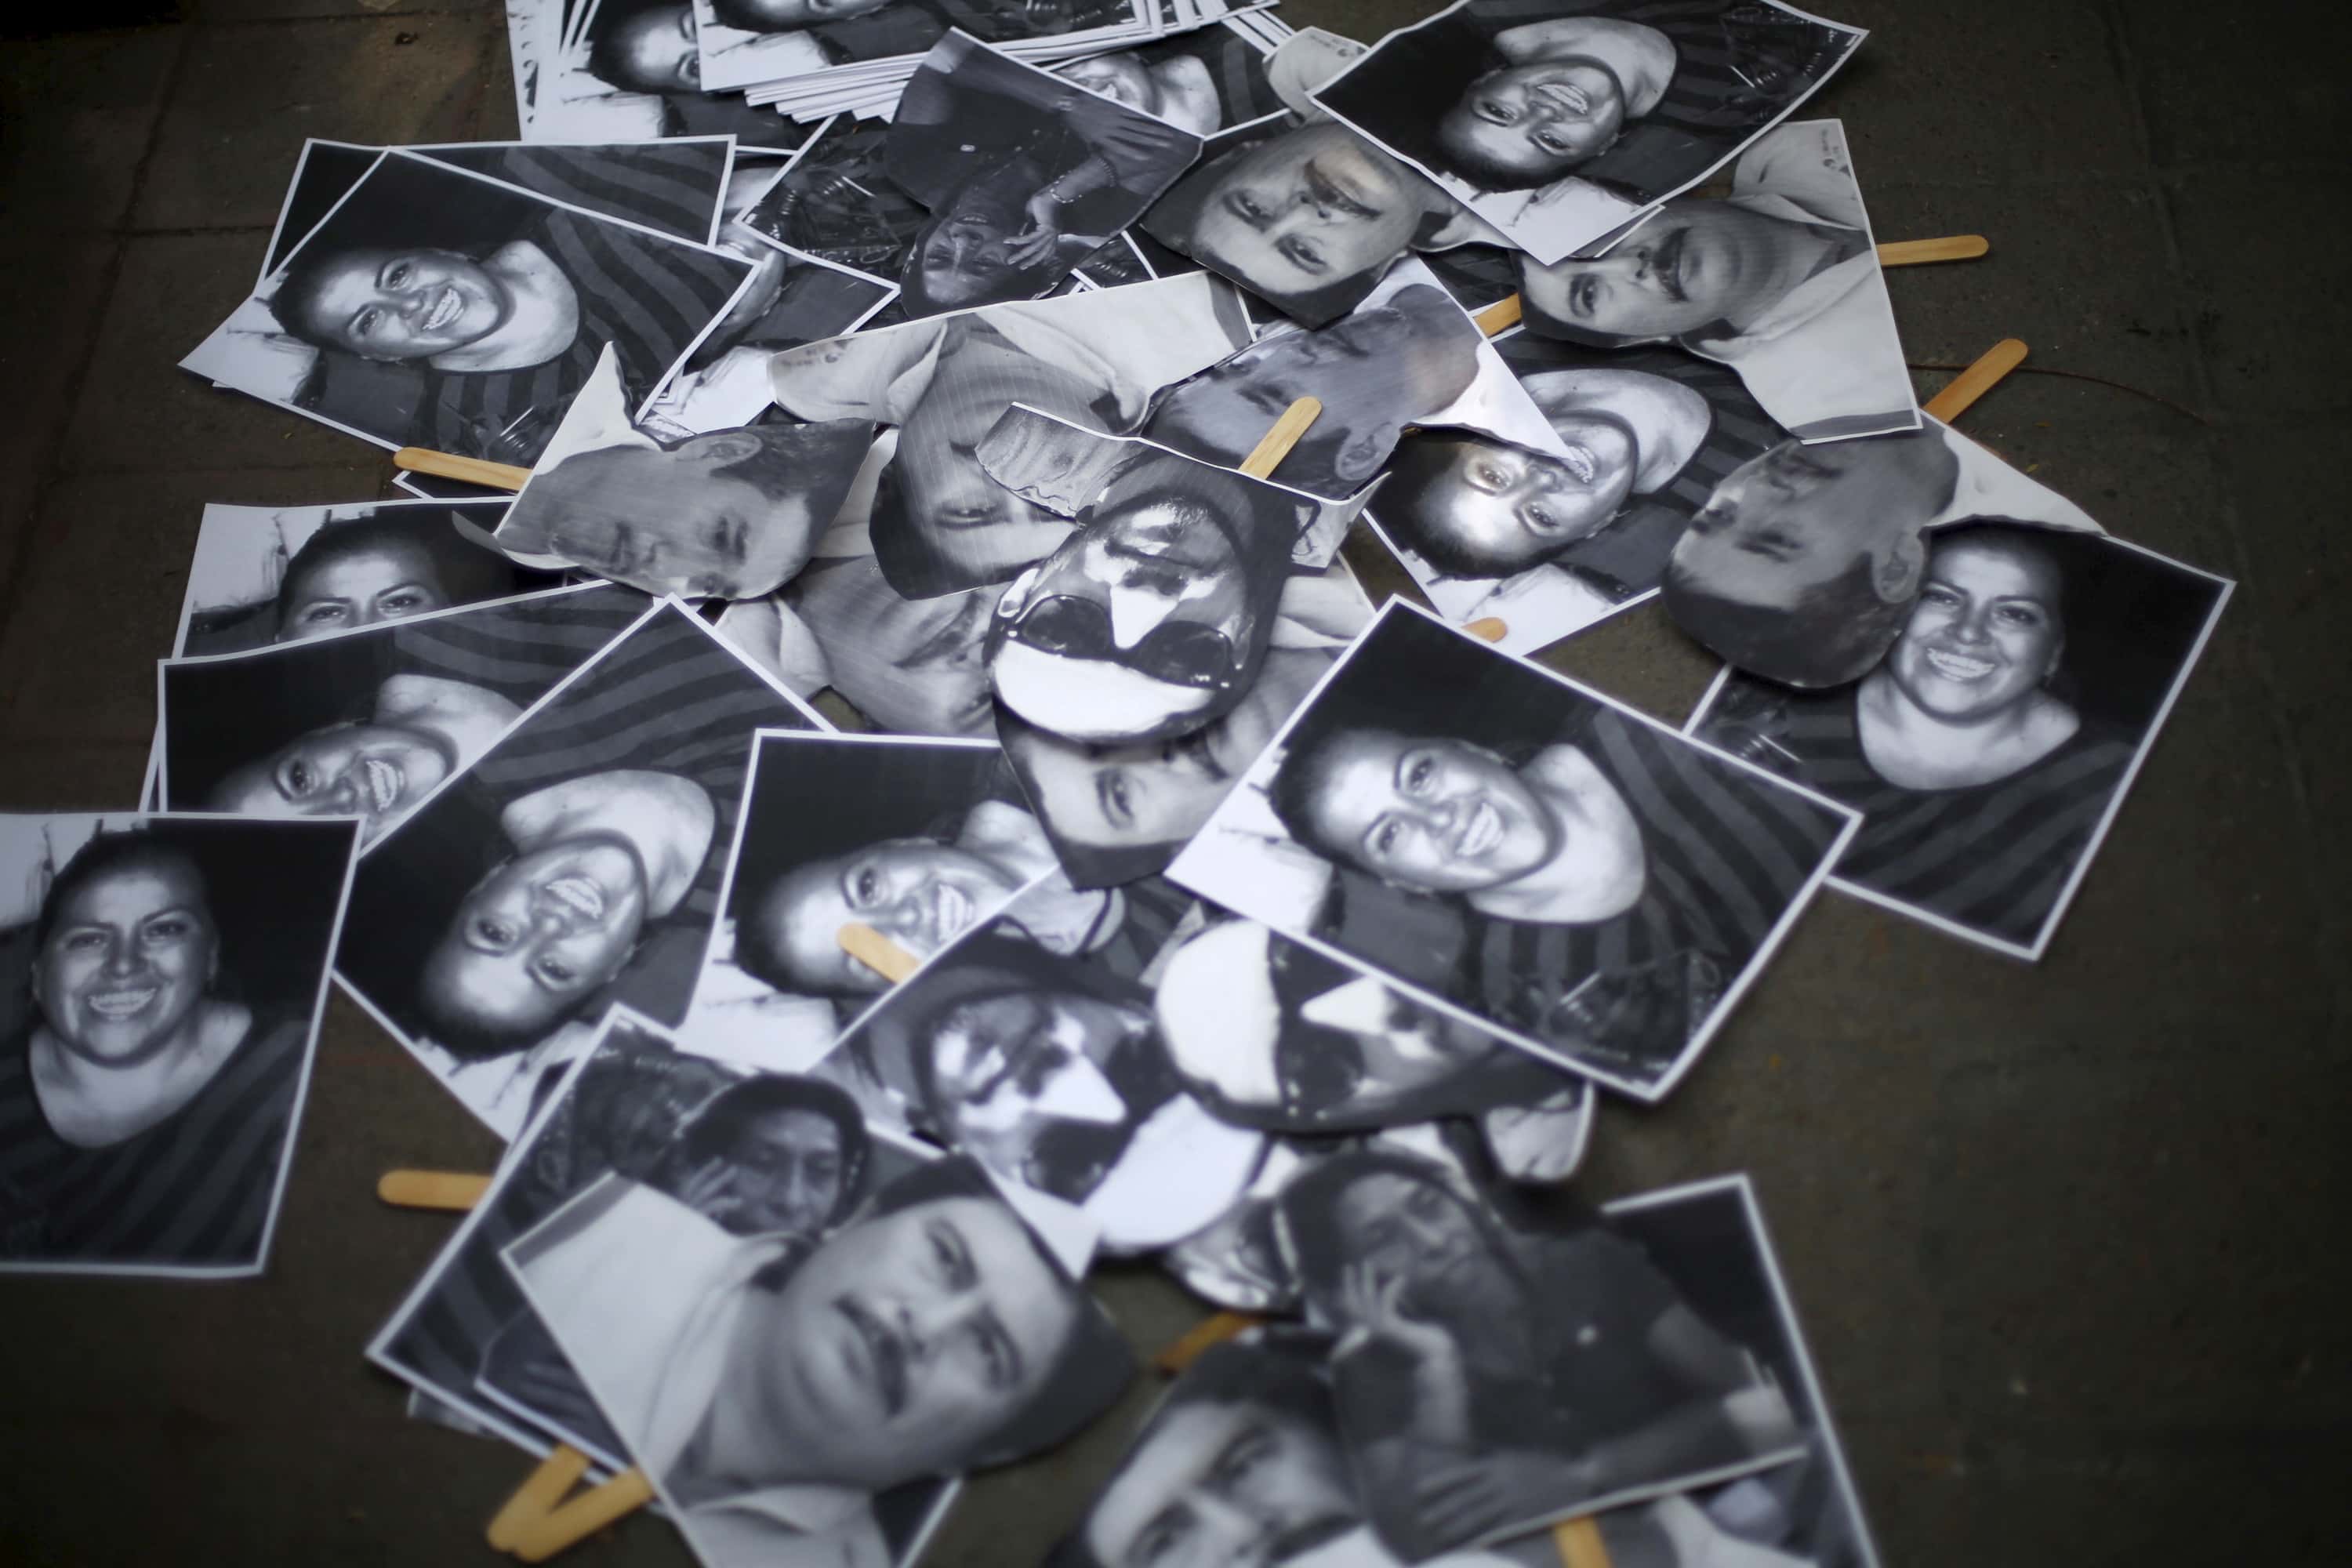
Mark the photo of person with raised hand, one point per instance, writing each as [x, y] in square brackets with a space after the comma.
[1559, 121]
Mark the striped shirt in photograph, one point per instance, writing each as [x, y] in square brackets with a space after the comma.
[673, 186]
[1993, 857]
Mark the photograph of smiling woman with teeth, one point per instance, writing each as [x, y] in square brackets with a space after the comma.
[157, 1009]
[577, 863]
[1987, 750]
[1494, 839]
[1557, 121]
[933, 1335]
[441, 309]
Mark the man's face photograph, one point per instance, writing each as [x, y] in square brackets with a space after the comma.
[1307, 209]
[1006, 1069]
[915, 666]
[1221, 1484]
[1697, 263]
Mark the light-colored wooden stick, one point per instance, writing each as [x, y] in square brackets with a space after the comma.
[472, 470]
[1950, 247]
[1976, 380]
[583, 1516]
[1501, 316]
[1213, 1329]
[1494, 629]
[877, 952]
[1275, 444]
[454, 1191]
[536, 1497]
[1579, 1544]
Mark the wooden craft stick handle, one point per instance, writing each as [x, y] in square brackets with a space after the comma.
[1949, 247]
[451, 1190]
[536, 1497]
[1501, 316]
[1579, 1544]
[877, 952]
[472, 470]
[1213, 1329]
[1493, 628]
[1976, 380]
[1275, 444]
[583, 1516]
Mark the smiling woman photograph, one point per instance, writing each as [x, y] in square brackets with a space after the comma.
[1989, 750]
[441, 309]
[159, 1010]
[577, 863]
[1502, 842]
[1556, 121]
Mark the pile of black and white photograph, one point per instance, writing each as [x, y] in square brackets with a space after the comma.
[896, 803]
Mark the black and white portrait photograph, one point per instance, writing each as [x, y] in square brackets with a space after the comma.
[1557, 121]
[1048, 1069]
[1408, 355]
[758, 1155]
[1201, 82]
[577, 863]
[165, 978]
[1305, 215]
[1499, 1366]
[1550, 540]
[911, 667]
[776, 1394]
[624, 70]
[732, 513]
[1990, 750]
[1151, 619]
[367, 723]
[1024, 174]
[920, 840]
[746, 43]
[835, 200]
[1269, 1033]
[937, 523]
[674, 186]
[1517, 849]
[1117, 812]
[1779, 278]
[1803, 567]
[437, 307]
[263, 575]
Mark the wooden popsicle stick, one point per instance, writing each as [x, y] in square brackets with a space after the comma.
[583, 1516]
[451, 1190]
[472, 470]
[1976, 380]
[1494, 629]
[536, 1497]
[1213, 1329]
[877, 952]
[1949, 247]
[1501, 316]
[1275, 444]
[1579, 1543]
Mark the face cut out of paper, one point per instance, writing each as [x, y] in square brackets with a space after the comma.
[1152, 618]
[729, 514]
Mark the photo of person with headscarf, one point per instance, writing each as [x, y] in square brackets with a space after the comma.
[1989, 748]
[917, 840]
[164, 982]
[937, 1333]
[440, 309]
[1558, 120]
[1305, 215]
[1551, 541]
[370, 723]
[577, 863]
[1500, 841]
[1494, 1371]
[1779, 280]
[1024, 175]
[1049, 1071]
[939, 524]
[273, 575]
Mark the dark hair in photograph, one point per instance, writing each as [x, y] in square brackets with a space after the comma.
[608, 59]
[1420, 475]
[1829, 635]
[1309, 1207]
[1093, 1364]
[720, 1123]
[744, 17]
[1414, 85]
[467, 571]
